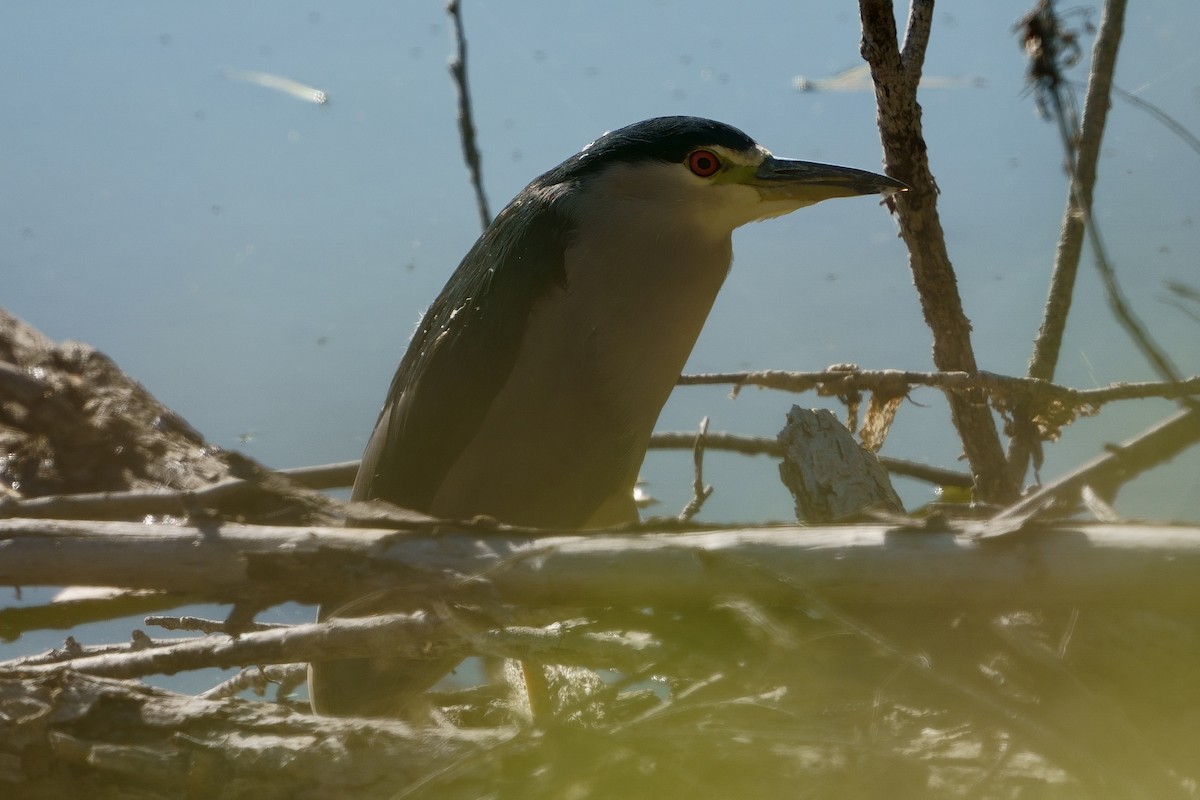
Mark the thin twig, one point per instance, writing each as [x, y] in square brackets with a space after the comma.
[252, 482]
[71, 649]
[833, 382]
[206, 626]
[139, 646]
[411, 636]
[1158, 358]
[287, 676]
[466, 120]
[1104, 474]
[1181, 307]
[700, 491]
[761, 446]
[1173, 125]
[717, 440]
[324, 476]
[1107, 43]
[1043, 38]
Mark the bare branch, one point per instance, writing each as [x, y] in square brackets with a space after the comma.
[1042, 39]
[287, 676]
[896, 80]
[416, 636]
[839, 381]
[252, 483]
[758, 446]
[1107, 473]
[700, 491]
[206, 626]
[1170, 123]
[716, 440]
[859, 564]
[413, 636]
[1045, 40]
[466, 120]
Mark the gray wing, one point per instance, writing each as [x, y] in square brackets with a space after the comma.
[462, 353]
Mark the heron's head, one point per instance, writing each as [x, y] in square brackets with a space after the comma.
[689, 169]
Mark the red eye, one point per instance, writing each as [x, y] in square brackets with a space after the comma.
[704, 163]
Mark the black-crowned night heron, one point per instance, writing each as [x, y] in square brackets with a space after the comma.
[533, 383]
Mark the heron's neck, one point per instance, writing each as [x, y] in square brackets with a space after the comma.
[642, 300]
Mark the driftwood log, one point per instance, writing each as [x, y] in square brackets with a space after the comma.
[881, 564]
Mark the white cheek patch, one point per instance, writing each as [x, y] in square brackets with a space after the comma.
[667, 194]
[742, 158]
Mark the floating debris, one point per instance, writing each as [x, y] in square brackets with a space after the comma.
[858, 79]
[296, 89]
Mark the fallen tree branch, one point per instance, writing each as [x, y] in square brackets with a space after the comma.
[855, 565]
[1104, 474]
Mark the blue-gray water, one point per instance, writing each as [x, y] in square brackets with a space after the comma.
[258, 261]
